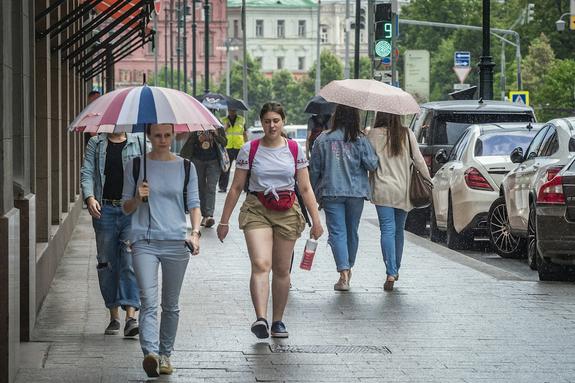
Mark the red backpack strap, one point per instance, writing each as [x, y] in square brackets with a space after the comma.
[254, 145]
[294, 149]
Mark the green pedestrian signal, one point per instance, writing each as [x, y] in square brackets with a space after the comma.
[383, 38]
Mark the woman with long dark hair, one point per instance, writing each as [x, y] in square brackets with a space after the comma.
[270, 216]
[341, 158]
[395, 146]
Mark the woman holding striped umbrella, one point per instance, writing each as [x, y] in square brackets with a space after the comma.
[157, 199]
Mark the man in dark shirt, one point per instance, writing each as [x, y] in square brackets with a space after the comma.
[201, 149]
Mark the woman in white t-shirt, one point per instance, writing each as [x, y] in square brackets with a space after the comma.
[270, 216]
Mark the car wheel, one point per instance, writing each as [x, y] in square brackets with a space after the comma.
[532, 252]
[435, 235]
[506, 244]
[455, 240]
[416, 221]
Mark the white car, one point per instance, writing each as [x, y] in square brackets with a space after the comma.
[467, 184]
[509, 223]
[298, 133]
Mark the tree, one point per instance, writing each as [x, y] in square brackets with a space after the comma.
[259, 87]
[290, 93]
[331, 69]
[537, 63]
[556, 96]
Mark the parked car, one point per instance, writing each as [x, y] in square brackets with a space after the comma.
[255, 132]
[554, 221]
[468, 182]
[440, 124]
[297, 133]
[512, 232]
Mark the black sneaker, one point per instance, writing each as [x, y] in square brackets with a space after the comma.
[260, 328]
[279, 330]
[131, 328]
[113, 327]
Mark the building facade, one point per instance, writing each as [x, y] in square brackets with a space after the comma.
[169, 43]
[281, 34]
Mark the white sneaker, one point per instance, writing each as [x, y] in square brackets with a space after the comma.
[165, 365]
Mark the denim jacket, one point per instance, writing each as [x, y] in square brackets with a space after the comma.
[338, 168]
[92, 177]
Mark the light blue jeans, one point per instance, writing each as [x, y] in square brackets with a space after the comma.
[391, 226]
[115, 273]
[173, 257]
[342, 215]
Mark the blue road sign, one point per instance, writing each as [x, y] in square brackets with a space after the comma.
[462, 58]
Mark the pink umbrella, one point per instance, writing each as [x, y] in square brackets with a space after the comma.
[131, 109]
[370, 95]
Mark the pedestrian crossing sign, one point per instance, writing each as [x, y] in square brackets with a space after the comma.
[519, 97]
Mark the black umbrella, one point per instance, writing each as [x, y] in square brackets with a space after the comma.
[219, 101]
[318, 105]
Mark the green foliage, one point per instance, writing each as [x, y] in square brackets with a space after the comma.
[442, 42]
[556, 95]
[537, 63]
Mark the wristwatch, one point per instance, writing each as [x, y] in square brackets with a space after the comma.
[197, 232]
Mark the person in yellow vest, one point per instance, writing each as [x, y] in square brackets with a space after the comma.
[236, 134]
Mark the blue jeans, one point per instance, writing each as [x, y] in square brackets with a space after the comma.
[115, 272]
[342, 215]
[173, 257]
[391, 226]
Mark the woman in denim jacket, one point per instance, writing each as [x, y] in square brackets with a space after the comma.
[101, 179]
[340, 160]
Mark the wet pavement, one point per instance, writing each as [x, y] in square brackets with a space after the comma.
[451, 318]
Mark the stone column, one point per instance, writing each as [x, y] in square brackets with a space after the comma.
[43, 139]
[56, 123]
[65, 101]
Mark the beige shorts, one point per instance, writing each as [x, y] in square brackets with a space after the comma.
[253, 215]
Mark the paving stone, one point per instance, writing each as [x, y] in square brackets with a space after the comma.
[449, 319]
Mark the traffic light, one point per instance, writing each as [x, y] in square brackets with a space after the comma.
[361, 20]
[530, 12]
[383, 30]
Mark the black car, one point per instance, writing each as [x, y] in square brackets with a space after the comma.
[555, 225]
[440, 124]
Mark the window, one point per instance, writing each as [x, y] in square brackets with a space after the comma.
[236, 28]
[502, 144]
[281, 29]
[323, 37]
[259, 28]
[301, 28]
[536, 143]
[280, 62]
[550, 143]
[459, 147]
[301, 63]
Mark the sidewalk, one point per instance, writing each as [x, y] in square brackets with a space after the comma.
[450, 319]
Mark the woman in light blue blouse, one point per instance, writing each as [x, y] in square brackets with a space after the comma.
[159, 238]
[340, 160]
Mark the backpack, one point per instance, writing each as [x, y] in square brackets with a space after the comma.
[187, 166]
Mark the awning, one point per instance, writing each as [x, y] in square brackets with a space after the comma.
[118, 28]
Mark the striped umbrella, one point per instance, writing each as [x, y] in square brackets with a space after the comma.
[131, 109]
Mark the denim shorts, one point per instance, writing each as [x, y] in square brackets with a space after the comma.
[253, 215]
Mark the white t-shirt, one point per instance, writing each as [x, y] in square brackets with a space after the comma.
[273, 168]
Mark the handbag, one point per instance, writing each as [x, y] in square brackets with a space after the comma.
[223, 157]
[420, 187]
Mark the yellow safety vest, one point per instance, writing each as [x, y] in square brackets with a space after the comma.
[234, 133]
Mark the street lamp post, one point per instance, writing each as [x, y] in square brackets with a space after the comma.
[485, 62]
[207, 46]
[185, 47]
[194, 28]
[560, 23]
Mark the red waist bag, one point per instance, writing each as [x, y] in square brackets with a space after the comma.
[286, 197]
[285, 201]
